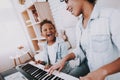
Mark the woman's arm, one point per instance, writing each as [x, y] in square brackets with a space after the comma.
[112, 68]
[104, 71]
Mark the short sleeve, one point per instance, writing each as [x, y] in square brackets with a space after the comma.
[64, 49]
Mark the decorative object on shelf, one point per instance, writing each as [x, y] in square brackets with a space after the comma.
[22, 2]
[35, 15]
[25, 51]
[16, 60]
[23, 55]
[65, 38]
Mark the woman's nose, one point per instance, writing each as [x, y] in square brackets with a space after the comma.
[67, 8]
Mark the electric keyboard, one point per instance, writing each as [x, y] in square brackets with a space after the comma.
[36, 72]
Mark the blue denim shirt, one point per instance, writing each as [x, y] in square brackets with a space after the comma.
[100, 40]
[61, 50]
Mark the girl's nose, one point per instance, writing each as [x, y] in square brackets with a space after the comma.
[48, 30]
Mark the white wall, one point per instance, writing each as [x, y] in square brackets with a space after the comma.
[11, 34]
[110, 3]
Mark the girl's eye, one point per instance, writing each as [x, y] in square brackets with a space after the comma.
[45, 30]
[51, 28]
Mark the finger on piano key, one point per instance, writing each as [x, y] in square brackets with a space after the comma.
[51, 70]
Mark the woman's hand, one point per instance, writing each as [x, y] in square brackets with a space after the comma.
[99, 74]
[58, 66]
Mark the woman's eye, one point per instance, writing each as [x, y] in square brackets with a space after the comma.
[66, 1]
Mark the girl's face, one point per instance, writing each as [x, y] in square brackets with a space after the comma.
[74, 6]
[48, 31]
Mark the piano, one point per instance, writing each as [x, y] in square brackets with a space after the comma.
[32, 71]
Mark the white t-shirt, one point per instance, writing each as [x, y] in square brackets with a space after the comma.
[52, 53]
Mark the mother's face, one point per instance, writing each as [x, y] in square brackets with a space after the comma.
[74, 6]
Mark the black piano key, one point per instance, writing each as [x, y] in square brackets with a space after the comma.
[32, 70]
[26, 67]
[49, 77]
[60, 79]
[57, 78]
[28, 71]
[38, 75]
[36, 72]
[44, 75]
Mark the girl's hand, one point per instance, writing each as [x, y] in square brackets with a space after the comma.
[38, 62]
[47, 66]
[58, 66]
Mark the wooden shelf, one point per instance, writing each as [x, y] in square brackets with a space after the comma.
[26, 17]
[31, 32]
[35, 44]
[33, 13]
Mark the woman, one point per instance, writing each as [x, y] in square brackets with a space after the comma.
[98, 37]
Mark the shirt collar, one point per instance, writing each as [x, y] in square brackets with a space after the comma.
[95, 13]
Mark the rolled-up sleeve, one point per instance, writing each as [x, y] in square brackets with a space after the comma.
[64, 49]
[77, 51]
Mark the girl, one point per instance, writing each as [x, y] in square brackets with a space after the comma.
[54, 48]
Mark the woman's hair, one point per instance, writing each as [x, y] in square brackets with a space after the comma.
[44, 22]
[92, 1]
